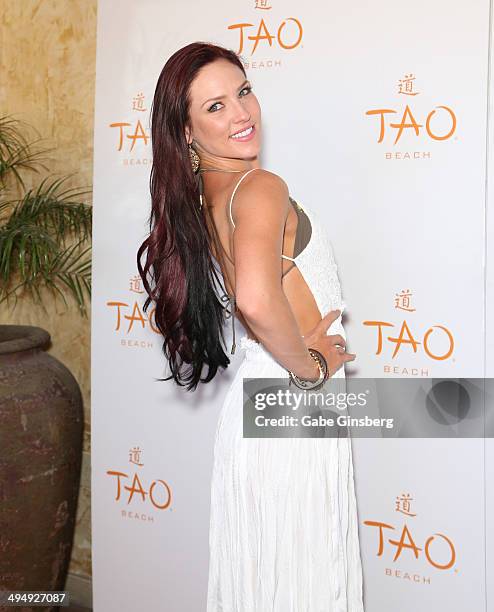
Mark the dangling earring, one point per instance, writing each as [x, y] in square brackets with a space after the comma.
[195, 160]
[201, 192]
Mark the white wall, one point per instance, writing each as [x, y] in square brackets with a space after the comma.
[402, 215]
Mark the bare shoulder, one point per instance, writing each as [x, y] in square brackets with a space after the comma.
[260, 191]
[263, 178]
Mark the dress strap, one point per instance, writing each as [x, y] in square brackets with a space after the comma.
[236, 187]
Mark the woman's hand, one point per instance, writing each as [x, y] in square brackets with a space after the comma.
[332, 346]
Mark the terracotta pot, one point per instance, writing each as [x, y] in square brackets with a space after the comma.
[41, 430]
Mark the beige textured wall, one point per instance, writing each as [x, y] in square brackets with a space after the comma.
[47, 72]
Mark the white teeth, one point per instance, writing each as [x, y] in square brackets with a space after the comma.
[244, 133]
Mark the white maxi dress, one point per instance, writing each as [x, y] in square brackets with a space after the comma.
[283, 525]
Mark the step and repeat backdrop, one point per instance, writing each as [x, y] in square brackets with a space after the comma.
[376, 115]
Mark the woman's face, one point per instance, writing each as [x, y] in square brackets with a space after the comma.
[222, 104]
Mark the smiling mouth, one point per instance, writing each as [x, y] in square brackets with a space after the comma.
[243, 133]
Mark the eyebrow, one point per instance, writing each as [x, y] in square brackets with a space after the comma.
[224, 96]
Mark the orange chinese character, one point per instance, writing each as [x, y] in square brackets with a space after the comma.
[135, 284]
[403, 504]
[138, 103]
[402, 300]
[262, 4]
[135, 456]
[406, 85]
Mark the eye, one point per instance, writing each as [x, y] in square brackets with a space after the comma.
[247, 88]
[210, 109]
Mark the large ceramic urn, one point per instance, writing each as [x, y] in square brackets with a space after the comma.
[41, 432]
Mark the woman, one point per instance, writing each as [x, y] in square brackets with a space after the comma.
[283, 531]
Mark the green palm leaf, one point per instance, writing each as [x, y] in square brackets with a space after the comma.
[43, 232]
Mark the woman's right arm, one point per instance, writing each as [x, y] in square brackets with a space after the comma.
[259, 210]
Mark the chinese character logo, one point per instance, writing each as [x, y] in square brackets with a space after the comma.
[402, 300]
[135, 456]
[138, 103]
[135, 284]
[406, 85]
[262, 4]
[403, 504]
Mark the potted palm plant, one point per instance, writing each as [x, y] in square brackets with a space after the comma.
[43, 232]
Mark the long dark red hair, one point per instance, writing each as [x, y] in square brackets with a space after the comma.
[179, 272]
